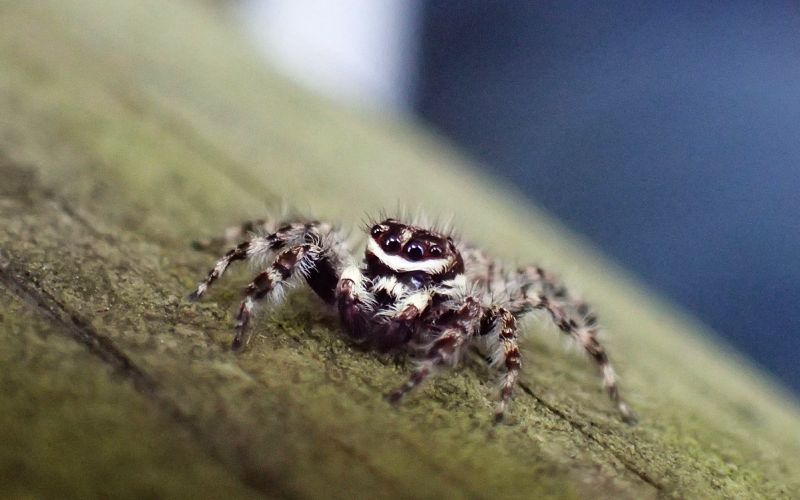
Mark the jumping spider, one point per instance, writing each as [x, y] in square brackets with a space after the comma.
[417, 288]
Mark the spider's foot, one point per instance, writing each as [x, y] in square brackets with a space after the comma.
[240, 340]
[395, 397]
[416, 378]
[197, 293]
[242, 337]
[238, 344]
[500, 411]
[628, 416]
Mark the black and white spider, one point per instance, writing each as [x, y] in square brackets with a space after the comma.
[417, 288]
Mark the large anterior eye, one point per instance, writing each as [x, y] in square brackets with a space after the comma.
[415, 251]
[392, 244]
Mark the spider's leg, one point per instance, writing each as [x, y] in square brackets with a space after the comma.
[584, 331]
[238, 253]
[458, 328]
[541, 290]
[401, 323]
[502, 343]
[270, 284]
[258, 248]
[442, 351]
[354, 302]
[232, 234]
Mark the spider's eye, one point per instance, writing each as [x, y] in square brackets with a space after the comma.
[415, 251]
[436, 251]
[377, 230]
[392, 244]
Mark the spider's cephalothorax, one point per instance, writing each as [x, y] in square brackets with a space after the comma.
[401, 264]
[417, 289]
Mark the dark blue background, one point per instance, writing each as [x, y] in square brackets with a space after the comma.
[668, 132]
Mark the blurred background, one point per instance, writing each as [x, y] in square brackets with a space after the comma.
[668, 133]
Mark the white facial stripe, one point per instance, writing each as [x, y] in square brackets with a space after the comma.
[397, 263]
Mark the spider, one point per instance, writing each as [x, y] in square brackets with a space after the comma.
[417, 289]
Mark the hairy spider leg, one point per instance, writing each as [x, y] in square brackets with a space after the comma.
[458, 328]
[234, 254]
[259, 249]
[573, 318]
[403, 319]
[505, 355]
[269, 284]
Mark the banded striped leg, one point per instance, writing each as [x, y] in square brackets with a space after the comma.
[258, 248]
[586, 335]
[446, 348]
[234, 254]
[270, 283]
[542, 290]
[401, 326]
[552, 288]
[505, 355]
